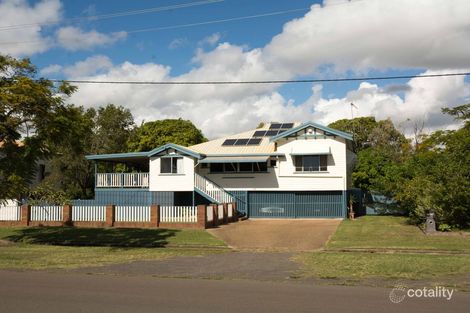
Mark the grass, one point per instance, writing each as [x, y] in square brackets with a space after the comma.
[389, 232]
[68, 248]
[358, 266]
[115, 237]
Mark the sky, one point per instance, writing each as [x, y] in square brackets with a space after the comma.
[244, 40]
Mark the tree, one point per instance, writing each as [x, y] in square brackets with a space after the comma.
[153, 134]
[440, 175]
[28, 119]
[68, 171]
[360, 127]
[113, 127]
[105, 130]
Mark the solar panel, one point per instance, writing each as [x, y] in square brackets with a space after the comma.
[229, 142]
[287, 125]
[259, 133]
[254, 141]
[271, 133]
[275, 126]
[242, 142]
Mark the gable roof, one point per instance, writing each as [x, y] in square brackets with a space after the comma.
[176, 147]
[145, 154]
[325, 129]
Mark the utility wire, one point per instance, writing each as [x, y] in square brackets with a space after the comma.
[287, 81]
[113, 15]
[239, 18]
[216, 21]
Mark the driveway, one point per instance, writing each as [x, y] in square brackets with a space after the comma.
[277, 234]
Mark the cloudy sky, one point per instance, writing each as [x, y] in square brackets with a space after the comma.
[193, 40]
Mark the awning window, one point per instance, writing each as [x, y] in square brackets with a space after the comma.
[316, 151]
[235, 159]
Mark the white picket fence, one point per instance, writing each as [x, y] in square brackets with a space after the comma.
[220, 211]
[132, 213]
[209, 213]
[89, 213]
[10, 212]
[46, 213]
[230, 211]
[178, 214]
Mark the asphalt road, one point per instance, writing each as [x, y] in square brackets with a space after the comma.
[75, 292]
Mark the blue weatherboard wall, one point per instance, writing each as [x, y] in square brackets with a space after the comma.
[241, 198]
[327, 204]
[124, 196]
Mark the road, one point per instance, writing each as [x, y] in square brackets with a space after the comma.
[76, 292]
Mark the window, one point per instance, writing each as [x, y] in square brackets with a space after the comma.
[172, 165]
[217, 167]
[245, 167]
[273, 162]
[311, 163]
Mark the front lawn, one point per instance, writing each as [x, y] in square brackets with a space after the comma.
[116, 237]
[446, 257]
[67, 248]
[359, 265]
[389, 232]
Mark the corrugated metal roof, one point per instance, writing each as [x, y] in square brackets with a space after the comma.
[215, 146]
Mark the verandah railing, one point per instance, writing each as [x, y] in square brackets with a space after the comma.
[122, 180]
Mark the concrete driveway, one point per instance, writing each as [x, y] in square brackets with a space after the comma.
[277, 234]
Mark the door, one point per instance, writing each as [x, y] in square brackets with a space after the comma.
[306, 204]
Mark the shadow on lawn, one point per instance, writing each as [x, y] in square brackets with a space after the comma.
[109, 237]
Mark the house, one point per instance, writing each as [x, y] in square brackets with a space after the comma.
[290, 170]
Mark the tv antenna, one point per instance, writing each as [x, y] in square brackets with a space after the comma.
[352, 107]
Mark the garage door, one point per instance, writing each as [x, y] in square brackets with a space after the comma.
[296, 204]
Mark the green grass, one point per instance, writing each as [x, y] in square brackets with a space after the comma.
[389, 232]
[68, 248]
[27, 256]
[115, 237]
[358, 266]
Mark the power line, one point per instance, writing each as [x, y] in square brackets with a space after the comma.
[216, 21]
[239, 18]
[116, 14]
[287, 81]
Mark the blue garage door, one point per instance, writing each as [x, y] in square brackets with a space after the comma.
[296, 204]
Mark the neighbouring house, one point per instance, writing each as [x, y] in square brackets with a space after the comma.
[289, 170]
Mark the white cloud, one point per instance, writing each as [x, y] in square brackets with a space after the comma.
[178, 43]
[355, 36]
[51, 69]
[73, 38]
[422, 102]
[90, 66]
[375, 34]
[211, 40]
[26, 40]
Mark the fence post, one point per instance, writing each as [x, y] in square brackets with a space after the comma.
[225, 210]
[155, 215]
[110, 210]
[215, 214]
[201, 216]
[25, 214]
[234, 212]
[67, 215]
